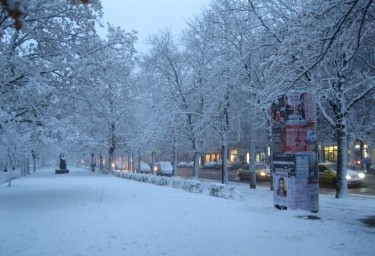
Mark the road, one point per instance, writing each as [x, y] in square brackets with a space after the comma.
[367, 188]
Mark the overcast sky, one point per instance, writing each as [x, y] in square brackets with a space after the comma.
[150, 16]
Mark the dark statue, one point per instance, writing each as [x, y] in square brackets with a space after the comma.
[62, 166]
[62, 163]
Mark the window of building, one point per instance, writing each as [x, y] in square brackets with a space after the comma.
[233, 155]
[212, 157]
[330, 154]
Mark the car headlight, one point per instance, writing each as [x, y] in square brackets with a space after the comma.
[348, 177]
[361, 175]
[262, 174]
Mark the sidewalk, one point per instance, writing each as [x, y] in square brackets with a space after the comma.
[6, 176]
[86, 213]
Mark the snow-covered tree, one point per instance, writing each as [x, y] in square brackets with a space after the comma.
[15, 10]
[225, 56]
[177, 94]
[100, 91]
[34, 60]
[319, 50]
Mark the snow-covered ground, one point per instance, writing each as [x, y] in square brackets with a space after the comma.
[85, 213]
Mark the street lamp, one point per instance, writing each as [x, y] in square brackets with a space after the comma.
[252, 153]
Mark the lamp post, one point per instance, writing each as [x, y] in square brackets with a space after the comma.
[252, 153]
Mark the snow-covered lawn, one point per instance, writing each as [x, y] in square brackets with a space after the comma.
[85, 213]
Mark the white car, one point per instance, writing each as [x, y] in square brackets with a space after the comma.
[190, 164]
[163, 168]
[145, 168]
[209, 165]
[328, 173]
[182, 164]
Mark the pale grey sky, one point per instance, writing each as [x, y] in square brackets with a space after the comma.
[150, 16]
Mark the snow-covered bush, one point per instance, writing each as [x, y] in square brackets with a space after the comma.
[116, 173]
[194, 186]
[137, 177]
[190, 185]
[216, 190]
[163, 181]
[224, 191]
[153, 179]
[177, 182]
[144, 178]
[127, 175]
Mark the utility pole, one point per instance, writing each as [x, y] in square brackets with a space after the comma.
[252, 152]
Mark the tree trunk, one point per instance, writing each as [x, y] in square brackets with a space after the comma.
[153, 161]
[175, 161]
[111, 148]
[101, 163]
[224, 162]
[34, 160]
[342, 162]
[27, 163]
[110, 158]
[92, 164]
[351, 160]
[196, 166]
[139, 163]
[361, 152]
[130, 162]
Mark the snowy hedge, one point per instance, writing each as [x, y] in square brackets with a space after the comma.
[193, 186]
[190, 185]
[225, 191]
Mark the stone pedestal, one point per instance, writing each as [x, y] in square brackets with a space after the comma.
[60, 171]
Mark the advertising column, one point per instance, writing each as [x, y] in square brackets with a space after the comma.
[294, 149]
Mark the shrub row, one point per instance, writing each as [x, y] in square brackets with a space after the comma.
[190, 185]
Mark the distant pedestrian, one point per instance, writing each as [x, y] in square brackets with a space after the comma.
[367, 163]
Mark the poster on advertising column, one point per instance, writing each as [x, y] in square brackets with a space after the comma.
[293, 107]
[295, 182]
[284, 169]
[278, 137]
[280, 190]
[303, 187]
[295, 140]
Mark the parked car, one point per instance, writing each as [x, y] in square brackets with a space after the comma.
[217, 165]
[261, 169]
[182, 164]
[237, 165]
[119, 167]
[209, 165]
[190, 164]
[145, 168]
[328, 174]
[164, 168]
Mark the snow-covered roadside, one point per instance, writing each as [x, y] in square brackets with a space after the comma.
[84, 213]
[10, 174]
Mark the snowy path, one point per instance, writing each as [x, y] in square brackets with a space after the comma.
[84, 213]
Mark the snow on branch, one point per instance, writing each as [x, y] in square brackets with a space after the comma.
[15, 9]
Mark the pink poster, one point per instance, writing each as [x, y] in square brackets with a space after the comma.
[293, 107]
[296, 138]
